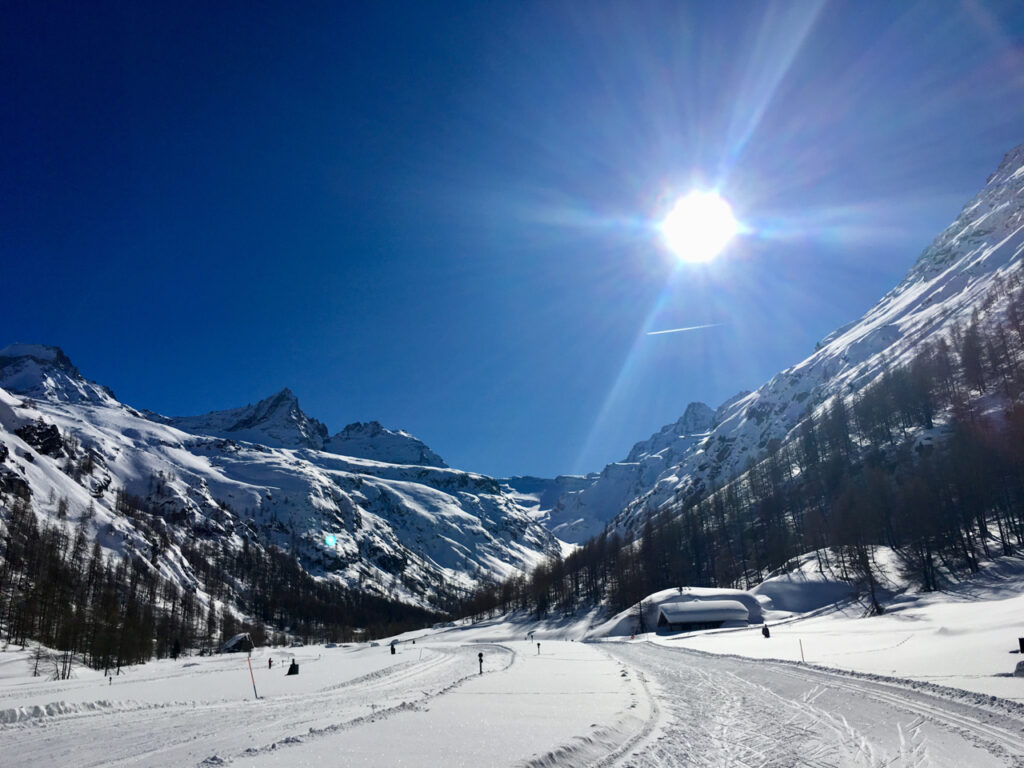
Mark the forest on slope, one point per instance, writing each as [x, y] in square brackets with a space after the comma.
[928, 459]
[60, 591]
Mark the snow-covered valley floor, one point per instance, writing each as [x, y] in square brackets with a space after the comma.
[929, 683]
[571, 703]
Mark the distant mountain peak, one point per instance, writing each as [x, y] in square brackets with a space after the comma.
[276, 421]
[41, 353]
[697, 419]
[44, 372]
[371, 440]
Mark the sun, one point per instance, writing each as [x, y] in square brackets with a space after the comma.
[699, 226]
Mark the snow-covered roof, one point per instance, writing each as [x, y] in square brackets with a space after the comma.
[698, 611]
[238, 640]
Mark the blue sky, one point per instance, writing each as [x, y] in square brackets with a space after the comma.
[443, 216]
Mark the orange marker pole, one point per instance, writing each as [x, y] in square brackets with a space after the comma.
[253, 677]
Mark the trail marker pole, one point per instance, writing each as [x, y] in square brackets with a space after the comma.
[253, 678]
[802, 660]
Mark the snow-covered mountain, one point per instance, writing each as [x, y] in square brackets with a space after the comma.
[576, 507]
[369, 440]
[389, 517]
[277, 422]
[958, 274]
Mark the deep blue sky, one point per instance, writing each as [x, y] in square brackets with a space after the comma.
[442, 215]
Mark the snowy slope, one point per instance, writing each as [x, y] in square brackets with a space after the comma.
[956, 275]
[541, 496]
[399, 529]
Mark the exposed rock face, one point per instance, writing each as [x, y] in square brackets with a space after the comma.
[45, 438]
[14, 484]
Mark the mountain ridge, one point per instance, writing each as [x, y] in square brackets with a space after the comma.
[945, 284]
[416, 532]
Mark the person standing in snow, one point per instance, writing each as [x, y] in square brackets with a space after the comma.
[765, 632]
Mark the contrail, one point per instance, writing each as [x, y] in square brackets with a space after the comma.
[680, 330]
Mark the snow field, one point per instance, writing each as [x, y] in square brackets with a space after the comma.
[558, 707]
[426, 705]
[964, 637]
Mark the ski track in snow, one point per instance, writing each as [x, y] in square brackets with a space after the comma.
[184, 733]
[676, 707]
[722, 711]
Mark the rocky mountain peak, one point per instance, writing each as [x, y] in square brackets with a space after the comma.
[276, 421]
[697, 418]
[46, 373]
[995, 213]
[371, 440]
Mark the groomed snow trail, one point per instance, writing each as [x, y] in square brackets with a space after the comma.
[725, 711]
[566, 703]
[212, 732]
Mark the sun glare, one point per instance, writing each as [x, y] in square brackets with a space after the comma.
[699, 226]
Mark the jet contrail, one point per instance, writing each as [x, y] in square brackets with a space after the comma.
[680, 330]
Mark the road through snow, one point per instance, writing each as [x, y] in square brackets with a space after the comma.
[724, 711]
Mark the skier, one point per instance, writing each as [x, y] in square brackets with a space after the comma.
[765, 632]
[480, 656]
[270, 663]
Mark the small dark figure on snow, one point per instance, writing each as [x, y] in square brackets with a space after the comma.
[480, 656]
[270, 663]
[392, 650]
[765, 632]
[538, 649]
[293, 669]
